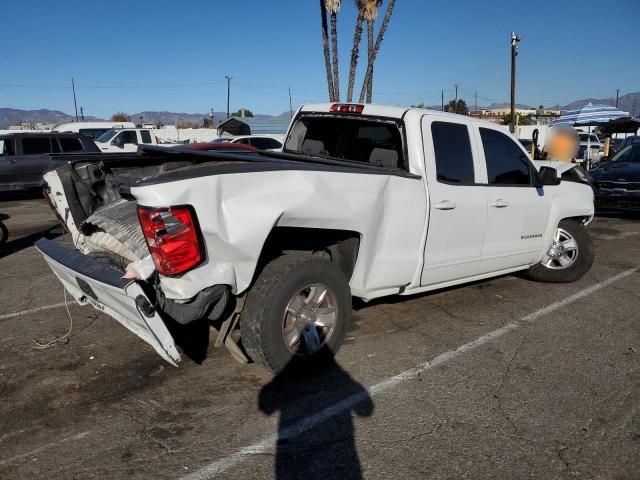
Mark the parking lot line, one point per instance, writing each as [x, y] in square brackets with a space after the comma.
[219, 466]
[7, 316]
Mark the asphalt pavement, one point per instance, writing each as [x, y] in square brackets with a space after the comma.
[504, 378]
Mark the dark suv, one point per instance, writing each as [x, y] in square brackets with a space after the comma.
[25, 157]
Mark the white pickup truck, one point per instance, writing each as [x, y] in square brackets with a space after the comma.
[269, 247]
[121, 140]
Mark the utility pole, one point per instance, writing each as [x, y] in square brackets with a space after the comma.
[442, 99]
[290, 104]
[617, 96]
[82, 113]
[476, 102]
[228, 93]
[455, 105]
[515, 39]
[75, 104]
[212, 119]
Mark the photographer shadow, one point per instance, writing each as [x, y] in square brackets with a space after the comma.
[316, 438]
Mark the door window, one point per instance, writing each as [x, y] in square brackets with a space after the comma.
[454, 160]
[507, 164]
[70, 145]
[37, 145]
[146, 136]
[126, 137]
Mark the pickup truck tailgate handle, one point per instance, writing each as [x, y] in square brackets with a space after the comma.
[445, 205]
[500, 203]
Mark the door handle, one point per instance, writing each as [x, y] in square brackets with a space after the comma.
[500, 203]
[445, 205]
[13, 160]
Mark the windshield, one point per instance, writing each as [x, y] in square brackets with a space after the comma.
[106, 136]
[366, 140]
[630, 153]
[221, 140]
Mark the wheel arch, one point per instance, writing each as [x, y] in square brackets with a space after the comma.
[338, 246]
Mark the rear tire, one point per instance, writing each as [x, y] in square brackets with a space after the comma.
[4, 234]
[572, 246]
[296, 314]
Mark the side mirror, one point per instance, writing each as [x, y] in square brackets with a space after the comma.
[604, 159]
[547, 176]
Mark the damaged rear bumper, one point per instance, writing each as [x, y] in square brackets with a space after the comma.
[93, 282]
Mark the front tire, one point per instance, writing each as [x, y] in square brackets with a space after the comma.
[296, 314]
[569, 257]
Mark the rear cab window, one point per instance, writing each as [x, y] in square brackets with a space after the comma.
[370, 140]
[454, 157]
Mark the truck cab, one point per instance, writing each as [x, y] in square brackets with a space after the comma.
[125, 140]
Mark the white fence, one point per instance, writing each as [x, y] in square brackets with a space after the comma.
[194, 135]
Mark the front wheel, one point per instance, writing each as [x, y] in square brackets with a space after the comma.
[569, 256]
[296, 314]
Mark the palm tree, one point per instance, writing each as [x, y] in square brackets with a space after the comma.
[370, 11]
[333, 7]
[355, 51]
[327, 52]
[383, 28]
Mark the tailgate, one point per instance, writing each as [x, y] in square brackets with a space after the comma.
[90, 281]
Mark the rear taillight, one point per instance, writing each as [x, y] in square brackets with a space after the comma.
[347, 108]
[174, 238]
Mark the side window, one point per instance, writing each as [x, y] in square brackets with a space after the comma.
[9, 147]
[244, 141]
[265, 143]
[146, 136]
[37, 145]
[507, 164]
[127, 137]
[70, 145]
[454, 160]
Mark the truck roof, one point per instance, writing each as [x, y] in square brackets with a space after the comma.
[20, 134]
[387, 111]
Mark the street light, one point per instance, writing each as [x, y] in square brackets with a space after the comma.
[515, 39]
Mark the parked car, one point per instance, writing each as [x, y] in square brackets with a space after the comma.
[25, 157]
[260, 142]
[92, 129]
[590, 147]
[125, 140]
[364, 200]
[616, 182]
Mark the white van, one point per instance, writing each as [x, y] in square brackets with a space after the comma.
[92, 129]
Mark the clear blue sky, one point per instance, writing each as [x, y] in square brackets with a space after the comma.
[172, 55]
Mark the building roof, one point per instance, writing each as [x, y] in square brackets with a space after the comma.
[254, 126]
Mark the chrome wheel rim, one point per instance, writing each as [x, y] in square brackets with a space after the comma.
[563, 251]
[309, 319]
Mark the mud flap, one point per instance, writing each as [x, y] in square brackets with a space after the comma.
[95, 283]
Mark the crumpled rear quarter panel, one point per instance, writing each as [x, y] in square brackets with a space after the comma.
[237, 211]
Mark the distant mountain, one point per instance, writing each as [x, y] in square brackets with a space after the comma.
[173, 118]
[12, 116]
[629, 102]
